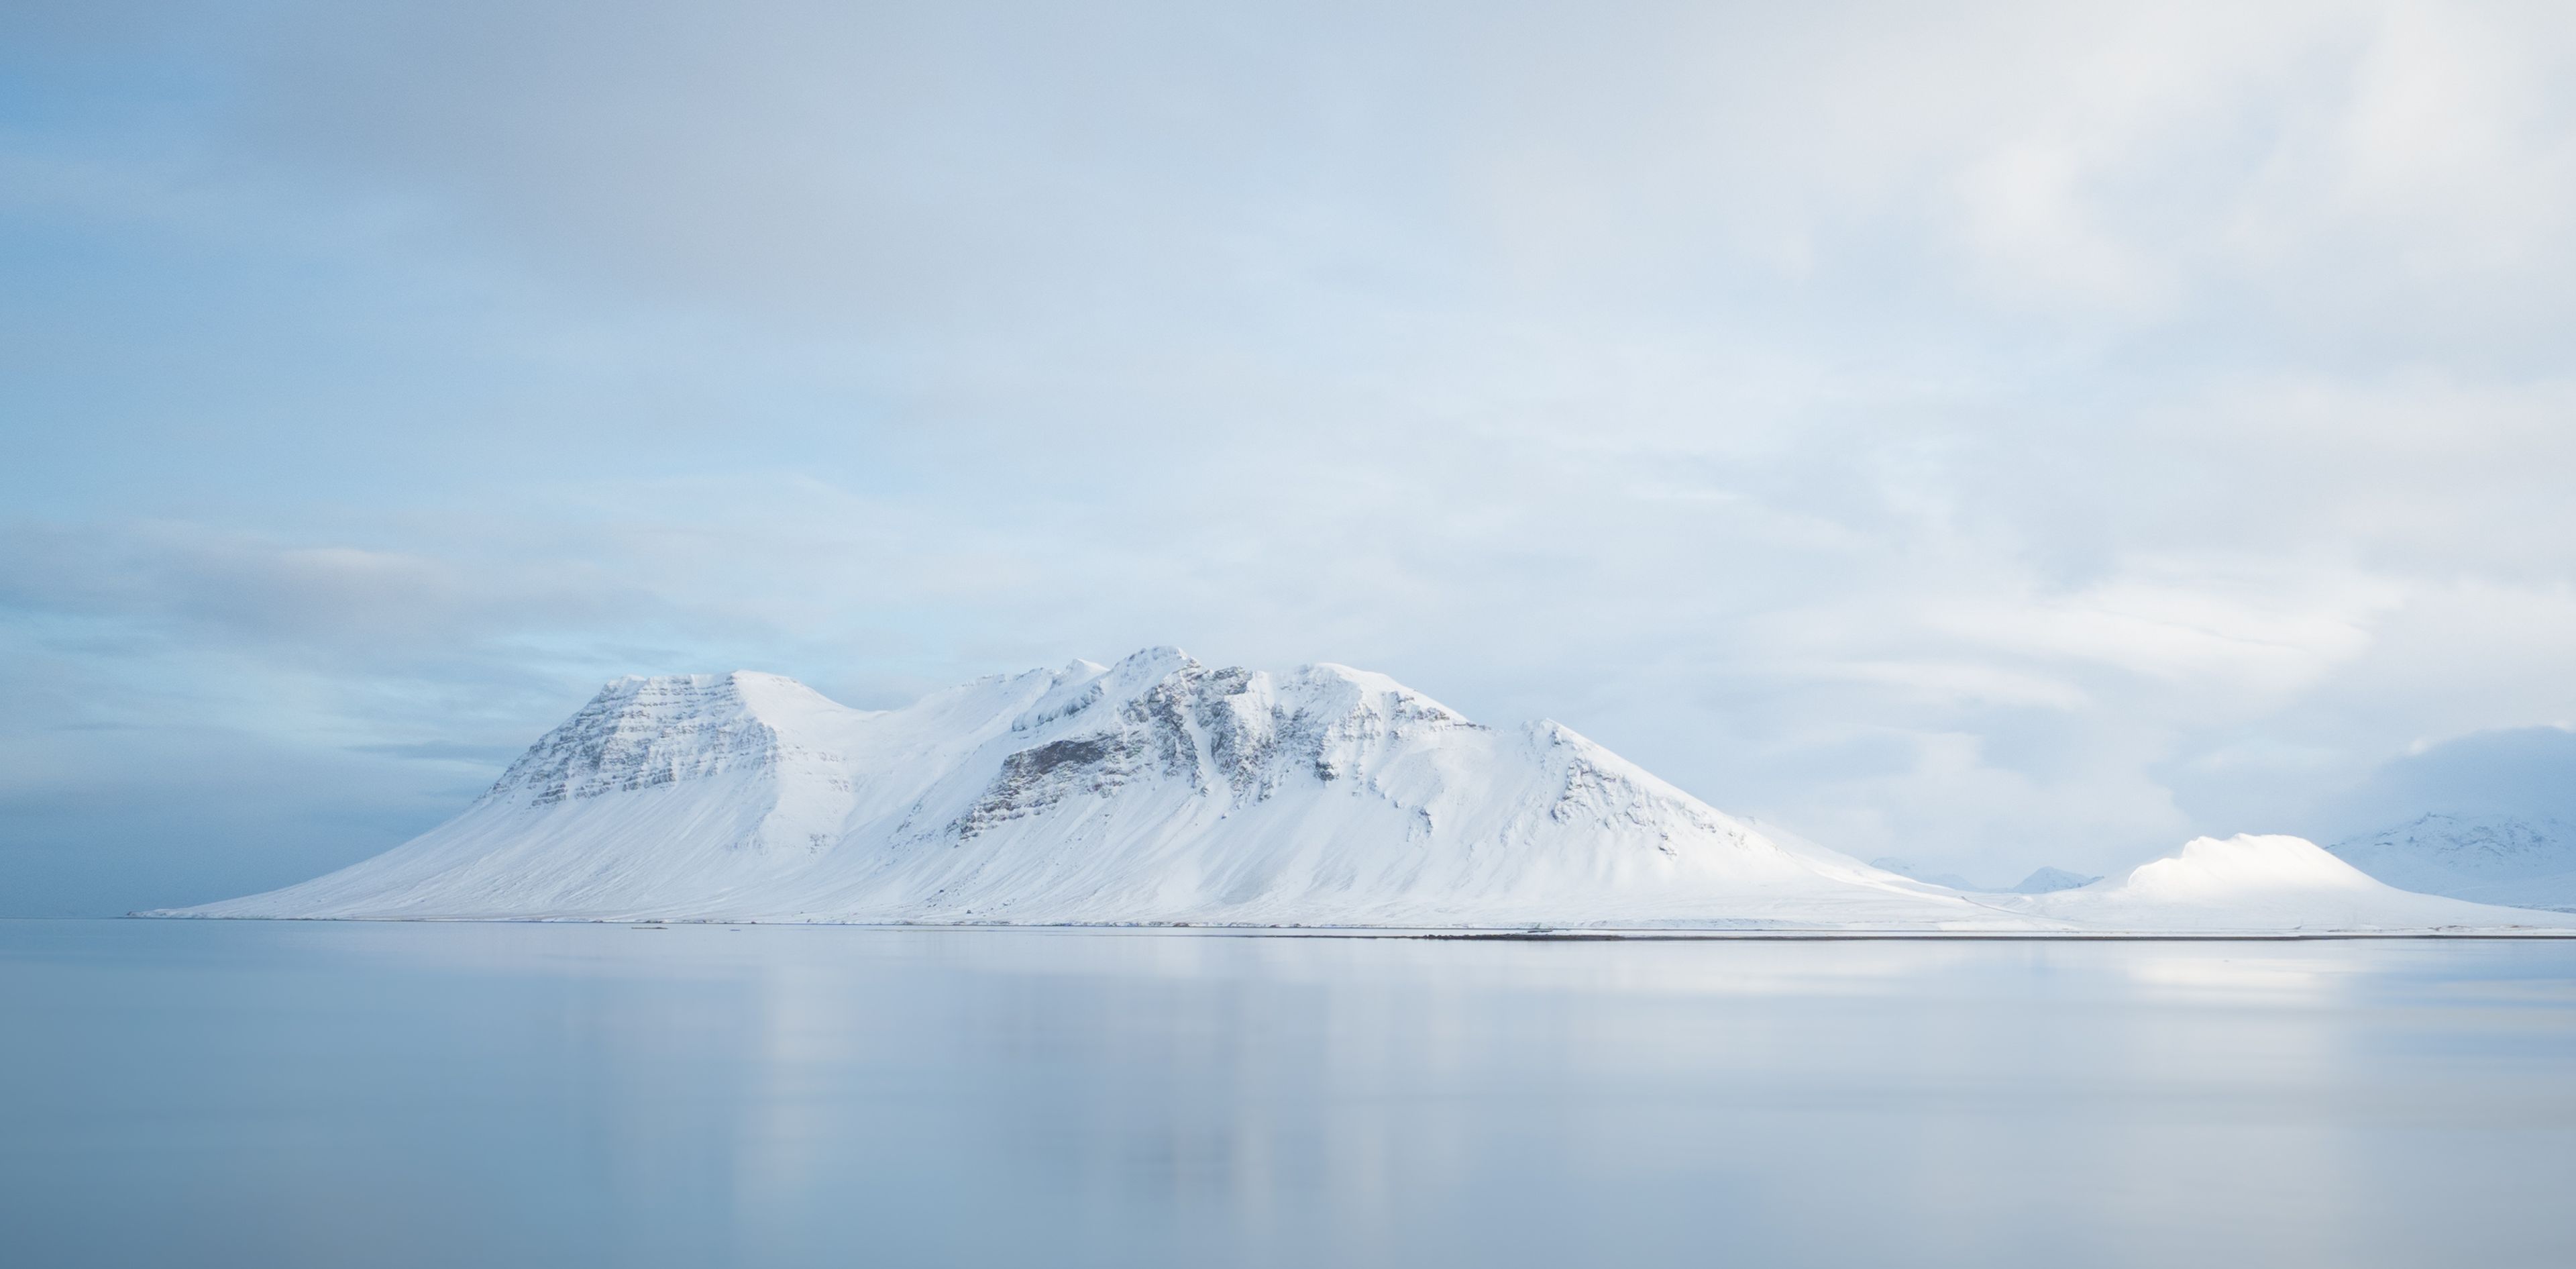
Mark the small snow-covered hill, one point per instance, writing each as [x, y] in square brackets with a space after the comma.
[2504, 859]
[2265, 884]
[1155, 790]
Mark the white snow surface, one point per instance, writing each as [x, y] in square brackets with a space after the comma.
[2524, 862]
[1162, 791]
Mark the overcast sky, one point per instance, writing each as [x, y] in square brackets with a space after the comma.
[1993, 435]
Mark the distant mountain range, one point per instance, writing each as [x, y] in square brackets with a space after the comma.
[2050, 880]
[2504, 859]
[1163, 791]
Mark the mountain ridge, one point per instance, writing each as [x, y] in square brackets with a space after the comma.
[1154, 790]
[2521, 860]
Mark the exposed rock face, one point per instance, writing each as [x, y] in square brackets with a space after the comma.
[645, 733]
[1033, 781]
[642, 732]
[1233, 733]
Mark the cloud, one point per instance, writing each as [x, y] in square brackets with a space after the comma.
[2520, 771]
[444, 751]
[208, 582]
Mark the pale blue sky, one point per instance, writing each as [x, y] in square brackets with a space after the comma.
[2019, 434]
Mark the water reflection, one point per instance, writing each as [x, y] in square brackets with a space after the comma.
[390, 1094]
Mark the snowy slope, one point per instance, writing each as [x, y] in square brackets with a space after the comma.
[2252, 883]
[2527, 863]
[1155, 790]
[1908, 868]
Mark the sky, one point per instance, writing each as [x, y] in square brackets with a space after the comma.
[1990, 434]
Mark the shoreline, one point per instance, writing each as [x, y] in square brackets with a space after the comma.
[1522, 934]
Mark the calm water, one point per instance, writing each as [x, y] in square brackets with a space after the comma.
[339, 1094]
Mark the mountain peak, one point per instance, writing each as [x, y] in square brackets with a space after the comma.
[2052, 880]
[643, 731]
[1163, 656]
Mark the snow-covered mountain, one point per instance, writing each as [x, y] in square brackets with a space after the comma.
[1158, 790]
[2523, 862]
[1155, 790]
[2049, 880]
[2264, 884]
